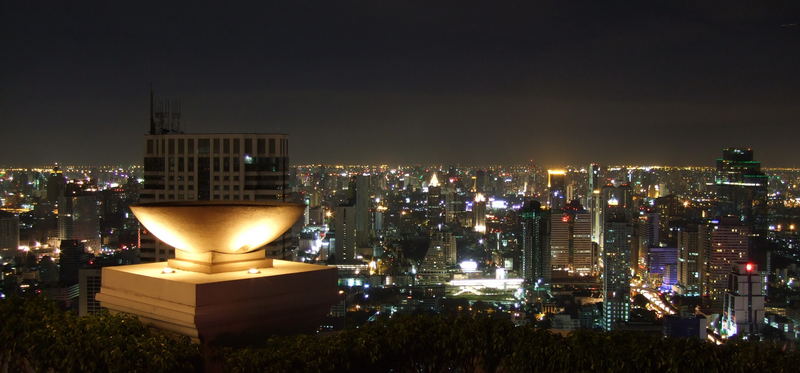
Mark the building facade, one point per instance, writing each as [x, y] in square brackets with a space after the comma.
[535, 245]
[214, 167]
[730, 244]
[618, 232]
[9, 231]
[743, 307]
[571, 243]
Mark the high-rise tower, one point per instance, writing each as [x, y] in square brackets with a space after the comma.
[435, 208]
[535, 245]
[618, 230]
[571, 242]
[741, 185]
[214, 167]
[479, 213]
[730, 243]
[557, 189]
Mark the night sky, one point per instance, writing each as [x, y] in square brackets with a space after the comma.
[408, 81]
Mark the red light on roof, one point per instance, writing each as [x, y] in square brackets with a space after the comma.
[749, 267]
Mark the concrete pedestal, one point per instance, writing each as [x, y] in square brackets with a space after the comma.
[285, 298]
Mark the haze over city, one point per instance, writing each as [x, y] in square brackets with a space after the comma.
[451, 82]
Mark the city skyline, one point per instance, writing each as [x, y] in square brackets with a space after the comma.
[400, 186]
[409, 83]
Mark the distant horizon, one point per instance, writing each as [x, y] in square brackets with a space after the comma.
[408, 82]
[407, 164]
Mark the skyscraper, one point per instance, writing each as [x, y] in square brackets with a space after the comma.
[435, 208]
[479, 213]
[55, 185]
[346, 233]
[740, 184]
[618, 230]
[571, 242]
[362, 206]
[743, 308]
[214, 167]
[593, 201]
[9, 231]
[535, 245]
[447, 241]
[730, 244]
[693, 244]
[557, 189]
[480, 181]
[73, 256]
[614, 197]
[77, 215]
[441, 254]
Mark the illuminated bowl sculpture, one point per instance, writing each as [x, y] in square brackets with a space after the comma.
[220, 281]
[218, 236]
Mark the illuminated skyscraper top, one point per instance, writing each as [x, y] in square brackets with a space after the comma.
[434, 181]
[557, 186]
[737, 167]
[741, 185]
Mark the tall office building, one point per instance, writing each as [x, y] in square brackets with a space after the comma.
[345, 230]
[435, 208]
[480, 181]
[557, 189]
[743, 308]
[593, 200]
[214, 167]
[447, 242]
[9, 231]
[730, 244]
[693, 246]
[440, 256]
[77, 215]
[479, 213]
[618, 232]
[571, 242]
[433, 268]
[536, 269]
[362, 205]
[73, 257]
[646, 235]
[740, 184]
[55, 185]
[614, 197]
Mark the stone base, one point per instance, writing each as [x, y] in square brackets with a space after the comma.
[288, 297]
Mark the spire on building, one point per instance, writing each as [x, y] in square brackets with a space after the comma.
[434, 181]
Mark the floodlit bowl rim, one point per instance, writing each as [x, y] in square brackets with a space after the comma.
[227, 203]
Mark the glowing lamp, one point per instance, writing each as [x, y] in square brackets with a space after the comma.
[749, 267]
[468, 265]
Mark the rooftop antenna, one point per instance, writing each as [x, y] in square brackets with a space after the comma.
[152, 120]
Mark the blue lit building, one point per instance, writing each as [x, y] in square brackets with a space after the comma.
[662, 262]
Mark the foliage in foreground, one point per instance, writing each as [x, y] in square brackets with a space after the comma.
[37, 336]
[440, 344]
